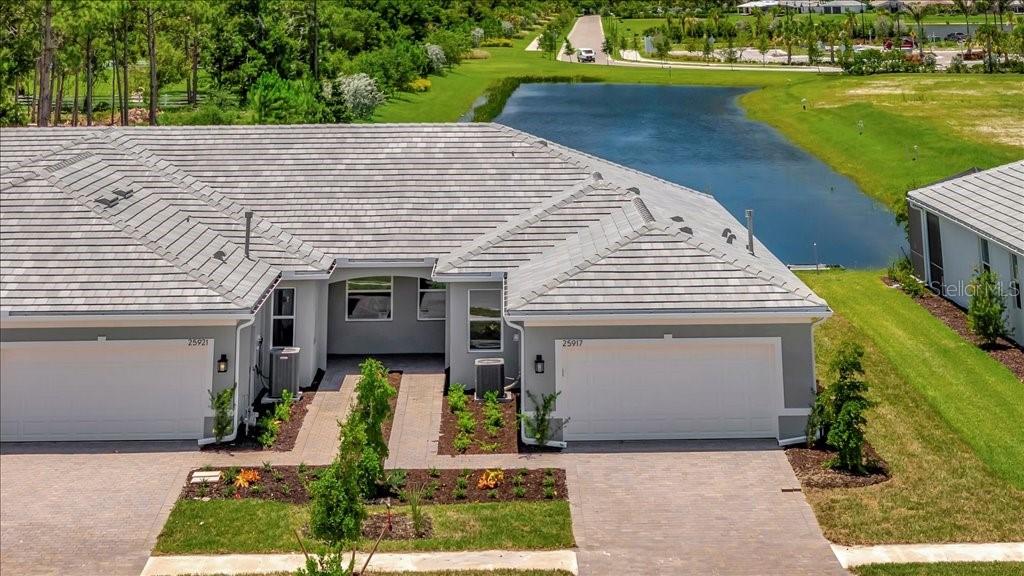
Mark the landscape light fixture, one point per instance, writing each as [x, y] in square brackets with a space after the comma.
[222, 364]
[915, 152]
[860, 127]
[538, 364]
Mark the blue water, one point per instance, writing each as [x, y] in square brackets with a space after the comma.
[699, 137]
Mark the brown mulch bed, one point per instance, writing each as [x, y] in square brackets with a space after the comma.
[286, 437]
[394, 527]
[290, 484]
[395, 379]
[1003, 351]
[809, 466]
[505, 442]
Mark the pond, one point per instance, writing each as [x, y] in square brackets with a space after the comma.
[699, 137]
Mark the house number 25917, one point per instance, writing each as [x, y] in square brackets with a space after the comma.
[572, 343]
[198, 341]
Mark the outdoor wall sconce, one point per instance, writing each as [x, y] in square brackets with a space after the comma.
[538, 364]
[222, 364]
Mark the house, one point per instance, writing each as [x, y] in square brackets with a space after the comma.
[804, 6]
[970, 222]
[146, 267]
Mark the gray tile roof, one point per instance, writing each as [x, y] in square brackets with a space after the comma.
[573, 232]
[990, 202]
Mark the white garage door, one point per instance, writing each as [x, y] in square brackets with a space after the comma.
[104, 390]
[669, 388]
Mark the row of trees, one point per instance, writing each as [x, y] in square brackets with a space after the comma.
[57, 51]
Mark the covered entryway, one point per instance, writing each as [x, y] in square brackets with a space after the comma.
[669, 388]
[105, 390]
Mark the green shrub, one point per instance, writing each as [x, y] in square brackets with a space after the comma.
[519, 492]
[373, 395]
[223, 405]
[459, 493]
[269, 427]
[337, 510]
[466, 422]
[538, 424]
[489, 447]
[368, 465]
[986, 312]
[457, 400]
[901, 271]
[838, 412]
[416, 514]
[496, 43]
[462, 442]
[274, 100]
[433, 472]
[395, 480]
[462, 482]
[231, 474]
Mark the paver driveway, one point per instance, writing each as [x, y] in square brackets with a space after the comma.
[700, 508]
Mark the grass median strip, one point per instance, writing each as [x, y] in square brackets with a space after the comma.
[938, 422]
[943, 569]
[257, 526]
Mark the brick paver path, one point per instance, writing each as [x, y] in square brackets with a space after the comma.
[95, 509]
[651, 508]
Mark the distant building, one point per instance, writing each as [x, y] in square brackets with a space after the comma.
[805, 6]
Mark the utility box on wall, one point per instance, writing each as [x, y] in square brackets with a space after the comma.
[490, 376]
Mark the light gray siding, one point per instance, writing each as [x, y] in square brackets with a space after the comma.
[797, 354]
[223, 343]
[460, 359]
[403, 334]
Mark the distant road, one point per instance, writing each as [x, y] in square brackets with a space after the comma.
[587, 33]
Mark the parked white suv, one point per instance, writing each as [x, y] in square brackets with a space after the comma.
[586, 55]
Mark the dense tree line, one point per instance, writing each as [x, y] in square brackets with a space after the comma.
[273, 60]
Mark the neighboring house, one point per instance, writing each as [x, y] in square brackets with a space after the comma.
[969, 222]
[145, 267]
[805, 6]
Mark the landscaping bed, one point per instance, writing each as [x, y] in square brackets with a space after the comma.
[290, 484]
[810, 464]
[495, 428]
[287, 432]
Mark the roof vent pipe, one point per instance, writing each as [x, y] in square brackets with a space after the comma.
[750, 231]
[248, 232]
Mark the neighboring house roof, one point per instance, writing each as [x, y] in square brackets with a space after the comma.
[989, 202]
[574, 233]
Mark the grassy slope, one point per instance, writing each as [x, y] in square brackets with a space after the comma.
[944, 569]
[257, 526]
[940, 421]
[957, 121]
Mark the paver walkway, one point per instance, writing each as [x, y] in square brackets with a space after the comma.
[711, 507]
[96, 508]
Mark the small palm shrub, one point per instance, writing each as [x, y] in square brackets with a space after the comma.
[838, 412]
[538, 425]
[901, 271]
[986, 312]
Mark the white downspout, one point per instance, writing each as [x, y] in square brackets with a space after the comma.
[238, 368]
[522, 370]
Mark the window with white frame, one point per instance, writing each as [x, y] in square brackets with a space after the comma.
[431, 302]
[485, 320]
[368, 299]
[985, 263]
[282, 330]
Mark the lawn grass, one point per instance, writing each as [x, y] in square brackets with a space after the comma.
[943, 569]
[957, 121]
[257, 526]
[944, 421]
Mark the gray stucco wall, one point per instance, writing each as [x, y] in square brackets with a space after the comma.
[797, 355]
[309, 325]
[223, 343]
[403, 334]
[460, 359]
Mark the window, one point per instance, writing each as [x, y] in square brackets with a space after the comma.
[985, 264]
[485, 320]
[1015, 280]
[368, 299]
[282, 330]
[431, 300]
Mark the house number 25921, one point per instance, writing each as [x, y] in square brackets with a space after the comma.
[572, 343]
[198, 341]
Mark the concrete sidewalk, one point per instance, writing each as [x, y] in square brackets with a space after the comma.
[231, 564]
[850, 556]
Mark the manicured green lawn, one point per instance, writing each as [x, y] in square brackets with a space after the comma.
[957, 121]
[945, 421]
[257, 526]
[943, 569]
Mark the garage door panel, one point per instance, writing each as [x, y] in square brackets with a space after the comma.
[105, 390]
[671, 388]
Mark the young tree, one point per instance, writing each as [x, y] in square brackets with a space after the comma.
[568, 50]
[986, 310]
[918, 13]
[966, 7]
[838, 412]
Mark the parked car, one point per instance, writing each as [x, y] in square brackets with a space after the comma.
[586, 55]
[956, 36]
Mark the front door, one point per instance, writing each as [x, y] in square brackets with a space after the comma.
[934, 253]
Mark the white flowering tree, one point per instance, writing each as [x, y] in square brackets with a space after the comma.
[353, 97]
[476, 36]
[436, 57]
[507, 28]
